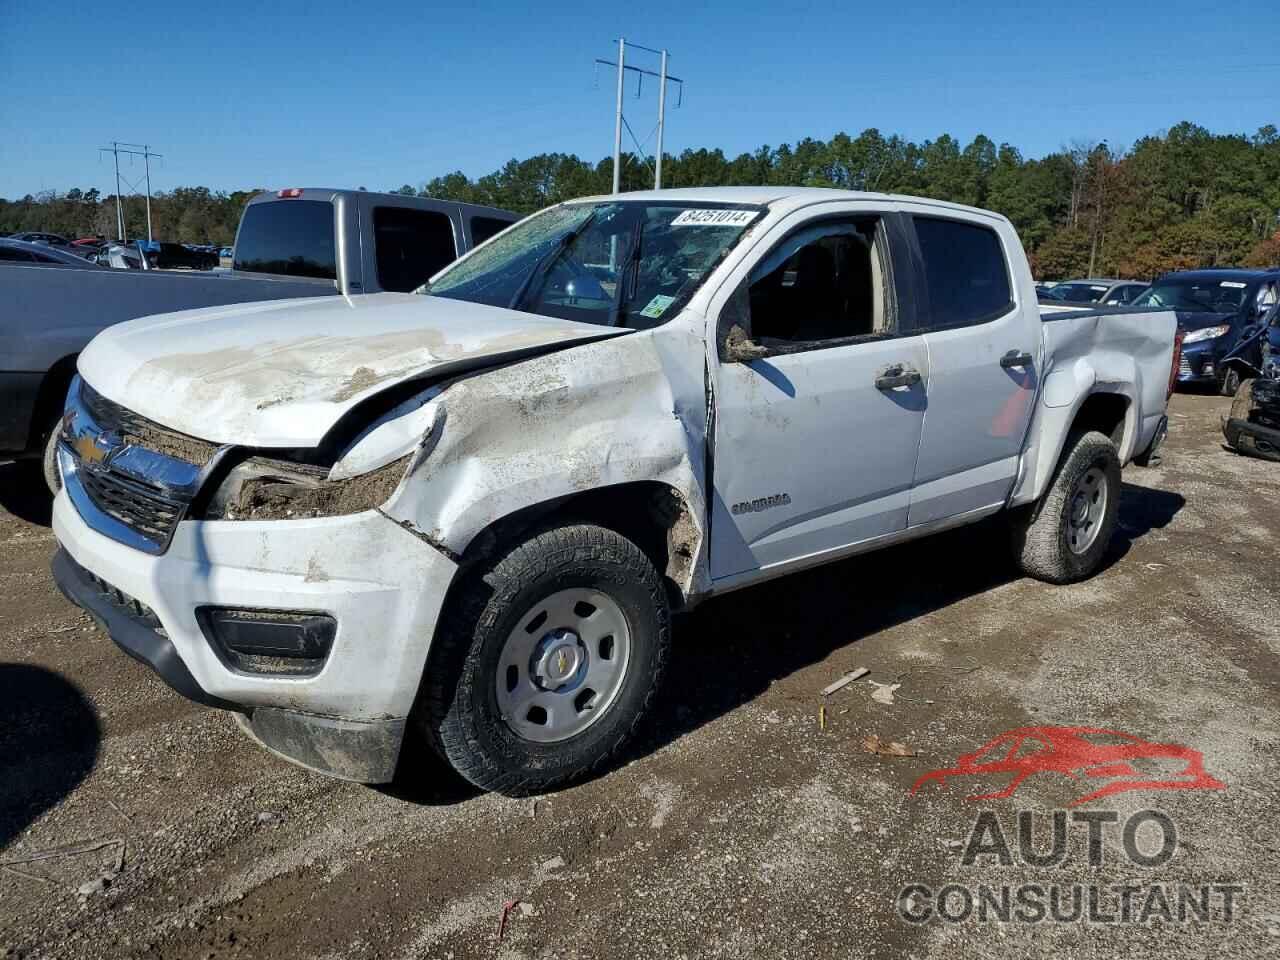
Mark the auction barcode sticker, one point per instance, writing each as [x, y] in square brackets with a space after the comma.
[714, 218]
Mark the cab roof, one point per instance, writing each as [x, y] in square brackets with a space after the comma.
[778, 199]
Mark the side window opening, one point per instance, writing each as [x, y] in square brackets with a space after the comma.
[411, 246]
[966, 275]
[482, 228]
[825, 282]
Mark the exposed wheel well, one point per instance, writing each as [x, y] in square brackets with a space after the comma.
[1104, 412]
[649, 513]
[50, 401]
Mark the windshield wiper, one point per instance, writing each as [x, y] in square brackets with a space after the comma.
[543, 266]
[632, 260]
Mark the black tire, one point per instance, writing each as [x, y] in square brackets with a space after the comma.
[1230, 382]
[49, 465]
[1242, 402]
[1041, 531]
[458, 708]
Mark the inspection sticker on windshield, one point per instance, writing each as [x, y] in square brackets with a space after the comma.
[1236, 284]
[656, 306]
[714, 218]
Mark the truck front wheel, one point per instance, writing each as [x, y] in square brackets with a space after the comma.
[547, 661]
[1064, 535]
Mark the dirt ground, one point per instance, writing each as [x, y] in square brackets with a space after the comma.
[741, 826]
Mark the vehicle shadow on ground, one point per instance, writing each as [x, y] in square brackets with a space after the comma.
[1142, 510]
[49, 739]
[730, 649]
[23, 493]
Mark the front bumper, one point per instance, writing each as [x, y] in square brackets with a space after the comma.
[1201, 363]
[1252, 438]
[384, 586]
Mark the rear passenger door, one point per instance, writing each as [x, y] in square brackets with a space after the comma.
[984, 357]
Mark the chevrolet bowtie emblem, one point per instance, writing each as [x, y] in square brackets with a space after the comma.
[96, 449]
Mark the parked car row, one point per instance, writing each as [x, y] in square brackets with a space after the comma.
[1108, 292]
[138, 254]
[1219, 313]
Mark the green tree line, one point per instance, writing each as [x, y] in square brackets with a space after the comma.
[1183, 199]
[185, 215]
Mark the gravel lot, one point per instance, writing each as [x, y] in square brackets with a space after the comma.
[740, 827]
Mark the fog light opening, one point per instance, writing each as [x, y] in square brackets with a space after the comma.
[294, 643]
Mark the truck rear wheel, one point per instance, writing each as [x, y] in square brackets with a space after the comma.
[547, 660]
[1064, 535]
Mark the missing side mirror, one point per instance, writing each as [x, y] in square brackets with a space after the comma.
[739, 348]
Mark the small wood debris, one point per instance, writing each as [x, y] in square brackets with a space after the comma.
[891, 748]
[844, 681]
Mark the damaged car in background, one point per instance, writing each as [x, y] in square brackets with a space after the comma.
[1253, 424]
[469, 513]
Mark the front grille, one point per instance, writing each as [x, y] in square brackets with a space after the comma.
[137, 429]
[108, 414]
[131, 607]
[144, 509]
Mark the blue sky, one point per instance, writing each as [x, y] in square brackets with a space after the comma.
[276, 93]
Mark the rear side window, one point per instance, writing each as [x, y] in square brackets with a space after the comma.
[482, 228]
[411, 245]
[965, 272]
[289, 237]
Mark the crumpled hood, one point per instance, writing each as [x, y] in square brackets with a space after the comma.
[281, 374]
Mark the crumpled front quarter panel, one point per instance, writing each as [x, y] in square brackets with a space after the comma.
[616, 411]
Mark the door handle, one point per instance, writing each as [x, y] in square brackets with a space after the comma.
[1016, 358]
[897, 375]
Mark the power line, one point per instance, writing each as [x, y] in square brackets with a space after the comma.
[620, 121]
[130, 149]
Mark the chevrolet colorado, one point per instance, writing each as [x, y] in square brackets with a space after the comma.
[471, 511]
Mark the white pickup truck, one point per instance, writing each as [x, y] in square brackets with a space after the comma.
[470, 512]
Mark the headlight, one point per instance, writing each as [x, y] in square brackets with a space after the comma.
[1207, 333]
[265, 489]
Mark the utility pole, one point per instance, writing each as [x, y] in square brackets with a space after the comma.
[620, 120]
[115, 150]
[617, 121]
[146, 159]
[119, 211]
[662, 116]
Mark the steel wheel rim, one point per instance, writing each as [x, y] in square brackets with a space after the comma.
[562, 665]
[1086, 508]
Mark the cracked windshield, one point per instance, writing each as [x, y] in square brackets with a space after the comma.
[631, 264]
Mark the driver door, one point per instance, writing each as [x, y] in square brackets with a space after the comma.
[819, 396]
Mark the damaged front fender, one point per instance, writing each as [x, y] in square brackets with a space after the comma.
[597, 416]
